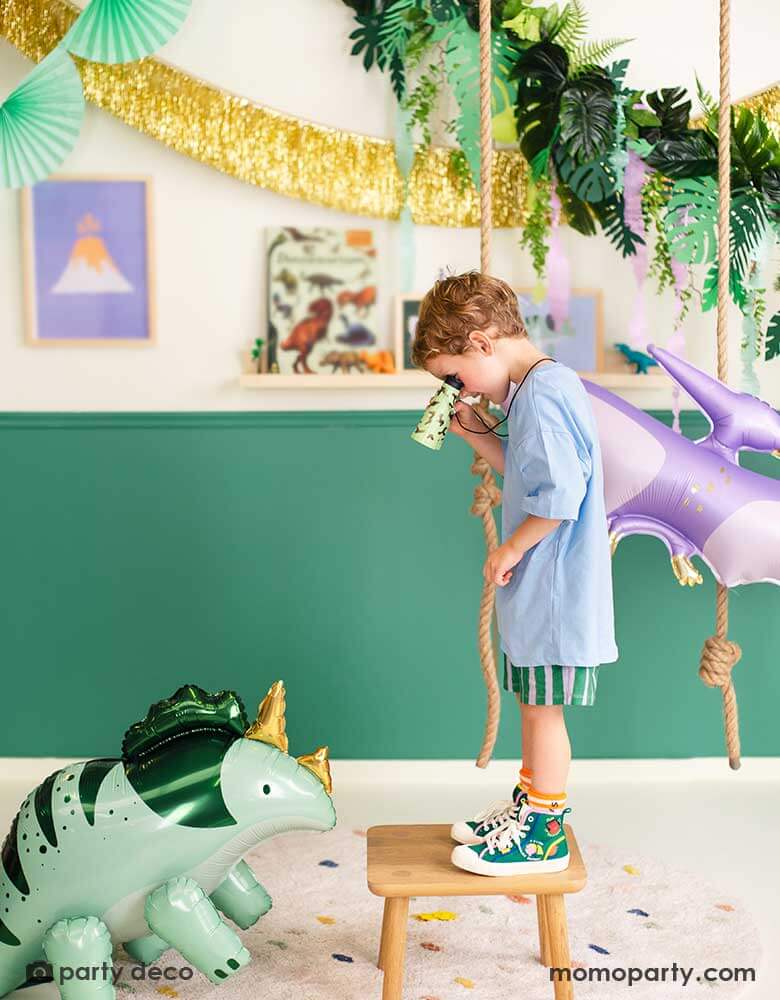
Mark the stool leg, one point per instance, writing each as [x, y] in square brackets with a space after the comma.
[544, 932]
[558, 937]
[393, 946]
[385, 923]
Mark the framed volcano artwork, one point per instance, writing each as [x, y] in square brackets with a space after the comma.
[87, 248]
[322, 302]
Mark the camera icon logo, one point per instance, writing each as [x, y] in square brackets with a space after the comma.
[39, 970]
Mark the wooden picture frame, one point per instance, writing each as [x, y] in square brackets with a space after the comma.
[403, 305]
[586, 306]
[77, 278]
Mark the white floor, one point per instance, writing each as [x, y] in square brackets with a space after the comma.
[696, 813]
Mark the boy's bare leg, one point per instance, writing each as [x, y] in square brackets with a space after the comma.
[546, 747]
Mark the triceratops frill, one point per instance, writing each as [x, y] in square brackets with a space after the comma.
[145, 849]
[694, 495]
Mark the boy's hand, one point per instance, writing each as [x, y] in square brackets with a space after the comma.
[468, 418]
[498, 566]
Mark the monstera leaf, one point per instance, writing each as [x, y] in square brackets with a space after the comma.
[611, 215]
[693, 154]
[120, 31]
[691, 220]
[754, 149]
[747, 225]
[673, 108]
[709, 296]
[577, 213]
[592, 181]
[588, 115]
[770, 187]
[541, 74]
[772, 340]
[40, 121]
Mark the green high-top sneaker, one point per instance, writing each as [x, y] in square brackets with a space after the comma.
[534, 842]
[474, 831]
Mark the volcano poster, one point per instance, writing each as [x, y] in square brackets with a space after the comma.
[88, 262]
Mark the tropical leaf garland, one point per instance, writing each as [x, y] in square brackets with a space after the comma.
[575, 120]
[772, 338]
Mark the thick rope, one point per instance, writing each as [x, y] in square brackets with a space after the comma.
[486, 494]
[720, 655]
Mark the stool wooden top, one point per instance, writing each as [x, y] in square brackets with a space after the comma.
[415, 861]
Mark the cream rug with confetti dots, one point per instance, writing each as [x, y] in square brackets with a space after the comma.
[320, 940]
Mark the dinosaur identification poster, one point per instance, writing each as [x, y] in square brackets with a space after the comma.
[322, 315]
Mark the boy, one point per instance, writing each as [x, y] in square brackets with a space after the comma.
[554, 602]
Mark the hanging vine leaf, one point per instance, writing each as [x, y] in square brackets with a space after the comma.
[691, 220]
[588, 115]
[611, 215]
[772, 339]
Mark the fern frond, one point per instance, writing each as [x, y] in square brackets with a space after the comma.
[574, 26]
[593, 53]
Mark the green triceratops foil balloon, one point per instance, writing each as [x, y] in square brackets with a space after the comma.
[145, 849]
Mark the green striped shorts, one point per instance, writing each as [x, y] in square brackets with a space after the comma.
[552, 684]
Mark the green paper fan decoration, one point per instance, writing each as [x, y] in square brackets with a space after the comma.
[40, 121]
[120, 31]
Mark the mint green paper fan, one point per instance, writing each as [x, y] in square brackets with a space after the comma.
[120, 31]
[40, 121]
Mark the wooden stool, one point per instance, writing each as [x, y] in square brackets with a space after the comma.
[406, 861]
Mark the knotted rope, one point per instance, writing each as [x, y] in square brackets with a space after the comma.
[486, 494]
[720, 655]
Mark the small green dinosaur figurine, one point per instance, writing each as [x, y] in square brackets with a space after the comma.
[641, 360]
[145, 849]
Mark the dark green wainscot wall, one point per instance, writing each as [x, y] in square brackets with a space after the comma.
[144, 551]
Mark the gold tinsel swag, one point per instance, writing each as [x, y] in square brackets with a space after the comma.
[332, 167]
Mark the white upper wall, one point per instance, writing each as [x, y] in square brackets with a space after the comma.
[208, 228]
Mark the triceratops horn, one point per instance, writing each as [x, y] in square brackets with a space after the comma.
[317, 763]
[269, 726]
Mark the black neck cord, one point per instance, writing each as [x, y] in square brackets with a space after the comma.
[491, 428]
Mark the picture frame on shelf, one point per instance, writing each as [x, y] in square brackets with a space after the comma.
[580, 341]
[88, 261]
[407, 307]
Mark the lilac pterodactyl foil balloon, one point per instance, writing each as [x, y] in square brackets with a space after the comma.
[694, 495]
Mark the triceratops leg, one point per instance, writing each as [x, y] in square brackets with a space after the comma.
[74, 945]
[181, 913]
[680, 548]
[146, 949]
[241, 897]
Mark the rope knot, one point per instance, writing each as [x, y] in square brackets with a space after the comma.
[718, 659]
[486, 497]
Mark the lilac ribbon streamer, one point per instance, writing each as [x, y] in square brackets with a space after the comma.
[676, 343]
[632, 213]
[558, 271]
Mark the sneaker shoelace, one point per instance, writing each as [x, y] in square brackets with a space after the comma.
[496, 815]
[506, 836]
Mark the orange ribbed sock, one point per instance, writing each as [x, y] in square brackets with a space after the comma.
[545, 802]
[525, 779]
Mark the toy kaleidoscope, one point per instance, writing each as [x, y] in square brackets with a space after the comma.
[147, 848]
[694, 496]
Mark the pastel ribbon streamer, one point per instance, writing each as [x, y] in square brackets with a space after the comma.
[633, 181]
[558, 270]
[404, 154]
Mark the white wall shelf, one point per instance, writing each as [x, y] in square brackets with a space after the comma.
[416, 380]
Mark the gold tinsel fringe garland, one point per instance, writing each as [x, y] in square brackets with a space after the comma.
[332, 167]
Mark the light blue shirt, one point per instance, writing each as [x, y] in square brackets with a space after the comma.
[557, 608]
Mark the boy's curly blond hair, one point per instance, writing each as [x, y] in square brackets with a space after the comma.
[458, 304]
